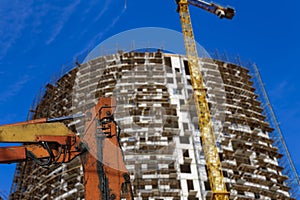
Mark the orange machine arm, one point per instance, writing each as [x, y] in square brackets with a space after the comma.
[107, 177]
[48, 142]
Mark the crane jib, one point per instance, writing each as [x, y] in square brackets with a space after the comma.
[220, 11]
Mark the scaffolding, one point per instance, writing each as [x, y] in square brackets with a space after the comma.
[66, 69]
[164, 154]
[285, 160]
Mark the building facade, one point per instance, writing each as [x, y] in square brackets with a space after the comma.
[159, 129]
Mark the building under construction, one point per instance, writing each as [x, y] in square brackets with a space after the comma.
[160, 133]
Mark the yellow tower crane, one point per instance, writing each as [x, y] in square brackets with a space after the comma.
[215, 175]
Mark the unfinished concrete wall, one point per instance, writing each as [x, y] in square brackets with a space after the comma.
[249, 159]
[64, 181]
[159, 129]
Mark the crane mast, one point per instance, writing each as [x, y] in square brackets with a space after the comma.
[213, 162]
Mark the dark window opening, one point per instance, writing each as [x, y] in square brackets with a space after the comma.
[181, 101]
[221, 156]
[184, 139]
[186, 153]
[140, 187]
[168, 62]
[186, 67]
[206, 170]
[209, 106]
[190, 184]
[185, 168]
[171, 166]
[192, 198]
[185, 126]
[173, 186]
[228, 186]
[207, 185]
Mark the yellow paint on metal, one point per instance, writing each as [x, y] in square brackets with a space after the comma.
[213, 163]
[28, 132]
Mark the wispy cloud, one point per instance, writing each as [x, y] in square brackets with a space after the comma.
[13, 16]
[281, 89]
[13, 89]
[86, 10]
[66, 14]
[91, 23]
[103, 10]
[281, 86]
[97, 38]
[113, 23]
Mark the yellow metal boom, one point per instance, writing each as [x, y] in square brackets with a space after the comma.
[30, 132]
[214, 168]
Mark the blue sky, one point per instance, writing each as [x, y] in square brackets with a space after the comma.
[38, 37]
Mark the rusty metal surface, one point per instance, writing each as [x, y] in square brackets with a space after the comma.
[105, 174]
[12, 154]
[28, 132]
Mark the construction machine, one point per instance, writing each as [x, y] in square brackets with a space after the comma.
[214, 169]
[49, 141]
